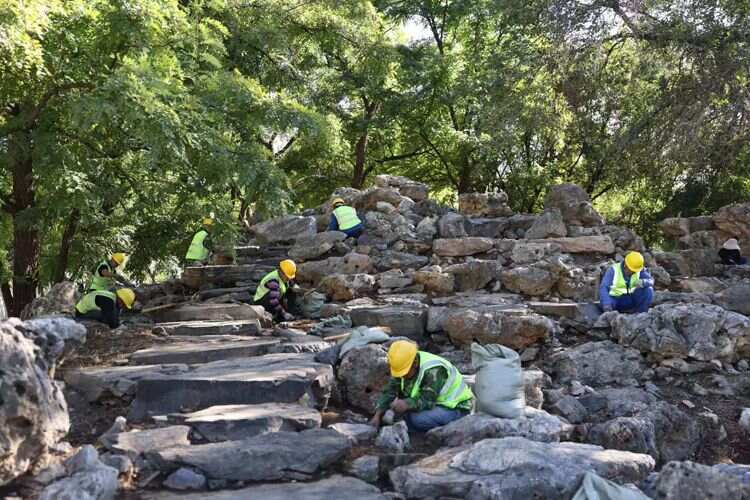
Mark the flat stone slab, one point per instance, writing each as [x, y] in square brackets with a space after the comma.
[136, 443]
[403, 320]
[582, 244]
[241, 327]
[332, 488]
[202, 352]
[118, 381]
[273, 378]
[213, 312]
[267, 457]
[515, 467]
[237, 422]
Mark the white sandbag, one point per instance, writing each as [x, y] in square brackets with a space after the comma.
[594, 487]
[499, 381]
[361, 336]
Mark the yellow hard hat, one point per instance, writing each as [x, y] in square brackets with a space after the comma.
[401, 356]
[127, 296]
[634, 261]
[119, 258]
[289, 268]
[208, 221]
[338, 201]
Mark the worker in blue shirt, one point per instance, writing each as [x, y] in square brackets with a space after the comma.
[627, 286]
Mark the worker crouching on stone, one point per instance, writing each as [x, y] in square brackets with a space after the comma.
[426, 389]
[275, 290]
[105, 306]
[627, 286]
[106, 276]
[345, 219]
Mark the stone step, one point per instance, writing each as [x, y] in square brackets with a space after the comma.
[237, 422]
[212, 312]
[564, 309]
[224, 276]
[205, 351]
[332, 488]
[267, 457]
[119, 381]
[241, 327]
[406, 320]
[282, 378]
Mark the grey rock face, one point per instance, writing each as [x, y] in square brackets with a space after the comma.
[358, 433]
[363, 373]
[394, 437]
[316, 246]
[266, 457]
[597, 364]
[549, 224]
[61, 299]
[473, 275]
[88, 479]
[574, 204]
[583, 244]
[692, 481]
[285, 229]
[33, 411]
[735, 298]
[406, 320]
[435, 283]
[185, 479]
[515, 331]
[533, 280]
[451, 225]
[461, 247]
[346, 287]
[366, 468]
[135, 443]
[515, 468]
[484, 204]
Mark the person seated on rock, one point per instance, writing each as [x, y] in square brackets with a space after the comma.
[105, 306]
[627, 286]
[105, 274]
[344, 218]
[200, 246]
[730, 254]
[426, 389]
[275, 290]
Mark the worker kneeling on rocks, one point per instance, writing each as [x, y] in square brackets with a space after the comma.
[105, 306]
[345, 219]
[627, 287]
[426, 389]
[105, 274]
[275, 290]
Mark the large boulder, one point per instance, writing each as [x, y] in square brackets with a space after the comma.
[435, 283]
[452, 225]
[575, 205]
[461, 247]
[362, 375]
[33, 411]
[735, 298]
[514, 331]
[549, 224]
[315, 246]
[473, 275]
[61, 299]
[528, 253]
[484, 204]
[699, 331]
[87, 478]
[286, 229]
[370, 198]
[352, 263]
[515, 468]
[417, 191]
[597, 364]
[601, 244]
[692, 481]
[532, 280]
[346, 287]
[734, 220]
[407, 320]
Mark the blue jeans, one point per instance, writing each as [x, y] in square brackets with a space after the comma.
[639, 301]
[423, 421]
[354, 232]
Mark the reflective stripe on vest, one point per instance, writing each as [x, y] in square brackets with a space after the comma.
[88, 301]
[102, 282]
[197, 251]
[619, 286]
[261, 291]
[454, 390]
[346, 217]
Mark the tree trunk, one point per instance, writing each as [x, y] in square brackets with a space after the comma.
[25, 231]
[71, 226]
[360, 155]
[7, 297]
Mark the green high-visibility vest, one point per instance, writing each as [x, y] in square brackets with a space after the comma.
[100, 282]
[88, 301]
[346, 217]
[261, 291]
[455, 390]
[197, 251]
[619, 286]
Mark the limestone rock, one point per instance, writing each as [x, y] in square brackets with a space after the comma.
[583, 244]
[515, 467]
[474, 275]
[366, 468]
[286, 229]
[417, 191]
[346, 287]
[427, 228]
[745, 420]
[61, 299]
[533, 280]
[514, 331]
[578, 285]
[597, 364]
[33, 411]
[484, 204]
[358, 433]
[460, 247]
[185, 479]
[406, 320]
[391, 259]
[527, 253]
[363, 374]
[735, 298]
[369, 199]
[394, 278]
[266, 457]
[549, 224]
[316, 246]
[675, 227]
[575, 205]
[352, 263]
[394, 437]
[451, 225]
[487, 228]
[135, 443]
[734, 220]
[692, 481]
[88, 479]
[435, 283]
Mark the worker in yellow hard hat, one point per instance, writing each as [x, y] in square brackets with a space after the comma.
[275, 290]
[627, 286]
[106, 276]
[105, 306]
[200, 246]
[345, 219]
[427, 390]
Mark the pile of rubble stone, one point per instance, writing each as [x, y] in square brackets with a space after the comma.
[232, 406]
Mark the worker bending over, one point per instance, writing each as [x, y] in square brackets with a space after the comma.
[627, 286]
[106, 276]
[105, 306]
[426, 389]
[275, 290]
[200, 246]
[344, 218]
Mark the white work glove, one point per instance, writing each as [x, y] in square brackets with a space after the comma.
[287, 316]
